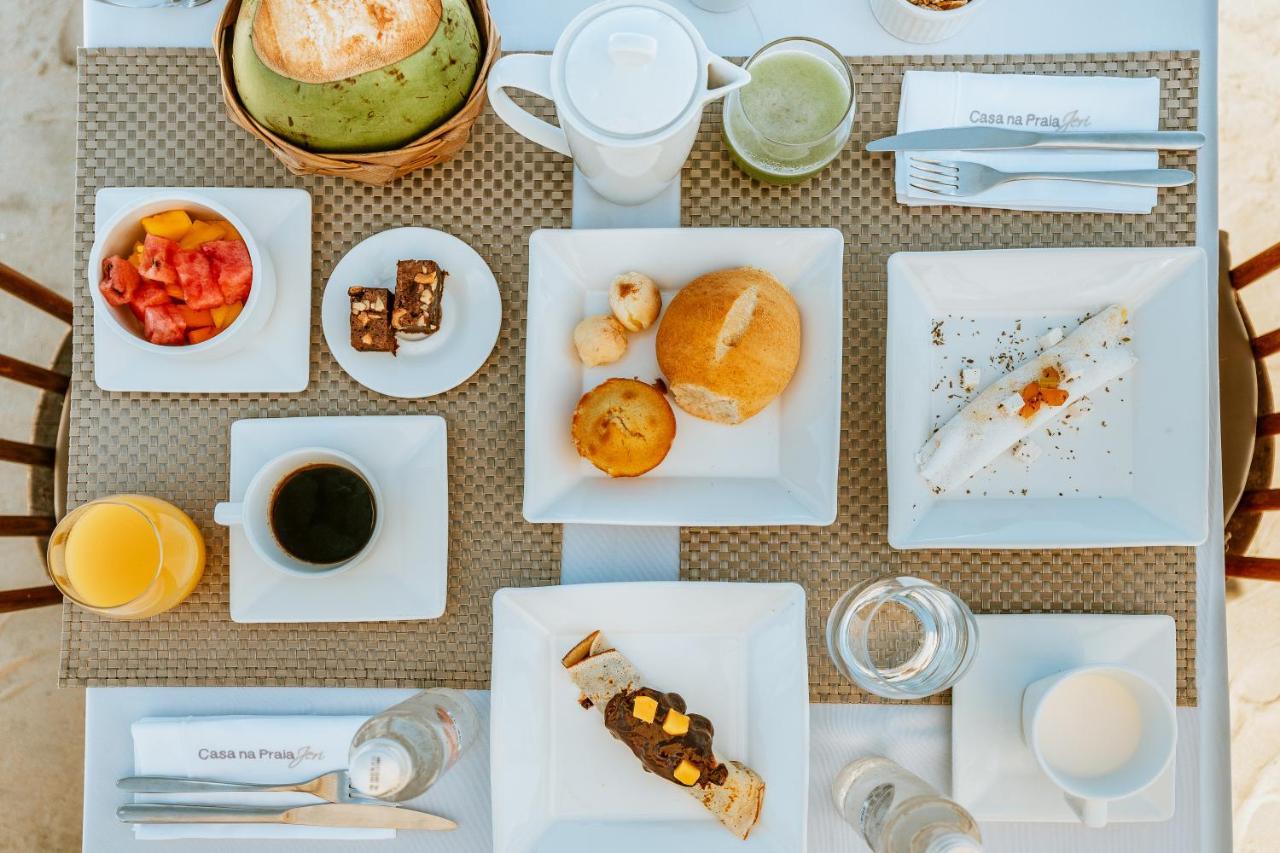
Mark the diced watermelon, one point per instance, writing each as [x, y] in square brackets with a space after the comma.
[157, 259]
[163, 324]
[119, 280]
[199, 287]
[150, 294]
[232, 268]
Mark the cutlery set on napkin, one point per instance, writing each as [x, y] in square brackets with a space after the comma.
[178, 760]
[1028, 142]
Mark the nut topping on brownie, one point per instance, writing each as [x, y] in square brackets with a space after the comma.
[419, 292]
[371, 320]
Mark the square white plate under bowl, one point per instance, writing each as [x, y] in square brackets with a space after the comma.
[279, 358]
[734, 651]
[1134, 470]
[994, 774]
[778, 467]
[405, 576]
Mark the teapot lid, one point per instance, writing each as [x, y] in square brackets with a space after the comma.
[631, 70]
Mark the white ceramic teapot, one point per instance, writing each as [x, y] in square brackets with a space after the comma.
[629, 79]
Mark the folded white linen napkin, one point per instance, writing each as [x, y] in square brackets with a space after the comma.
[244, 749]
[937, 99]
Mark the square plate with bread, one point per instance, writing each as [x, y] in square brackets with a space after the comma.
[1124, 463]
[759, 362]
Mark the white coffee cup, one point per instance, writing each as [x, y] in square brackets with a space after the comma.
[253, 512]
[1101, 733]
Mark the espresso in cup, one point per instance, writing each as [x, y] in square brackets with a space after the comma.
[323, 514]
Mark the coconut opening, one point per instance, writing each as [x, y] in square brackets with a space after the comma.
[330, 41]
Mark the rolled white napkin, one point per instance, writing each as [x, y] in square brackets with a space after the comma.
[244, 749]
[937, 99]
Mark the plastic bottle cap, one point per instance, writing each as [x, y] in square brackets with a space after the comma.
[380, 767]
[953, 842]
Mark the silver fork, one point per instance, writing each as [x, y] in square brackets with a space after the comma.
[333, 787]
[965, 179]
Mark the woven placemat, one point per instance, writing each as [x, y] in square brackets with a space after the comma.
[154, 118]
[856, 195]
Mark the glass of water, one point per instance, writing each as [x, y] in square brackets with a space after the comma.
[150, 4]
[901, 637]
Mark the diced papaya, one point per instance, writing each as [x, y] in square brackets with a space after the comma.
[174, 290]
[202, 232]
[171, 224]
[225, 315]
[1053, 396]
[228, 229]
[199, 336]
[196, 319]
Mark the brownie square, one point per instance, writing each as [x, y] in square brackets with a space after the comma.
[371, 320]
[419, 292]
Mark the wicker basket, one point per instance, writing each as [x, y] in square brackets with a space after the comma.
[372, 167]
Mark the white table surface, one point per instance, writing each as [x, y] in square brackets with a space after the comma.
[918, 736]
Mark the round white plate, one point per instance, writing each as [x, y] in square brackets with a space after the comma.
[471, 314]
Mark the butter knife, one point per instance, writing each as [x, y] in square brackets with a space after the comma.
[994, 138]
[324, 814]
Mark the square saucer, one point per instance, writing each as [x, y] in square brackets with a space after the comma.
[994, 774]
[279, 358]
[735, 651]
[405, 575]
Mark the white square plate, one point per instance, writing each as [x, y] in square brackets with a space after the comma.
[736, 653]
[405, 576]
[279, 358]
[779, 467]
[994, 774]
[1133, 471]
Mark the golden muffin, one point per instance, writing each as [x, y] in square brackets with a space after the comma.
[624, 427]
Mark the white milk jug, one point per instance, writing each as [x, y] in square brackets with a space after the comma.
[629, 79]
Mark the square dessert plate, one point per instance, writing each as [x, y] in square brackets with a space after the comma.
[278, 359]
[994, 774]
[405, 575]
[778, 467]
[1131, 470]
[736, 653]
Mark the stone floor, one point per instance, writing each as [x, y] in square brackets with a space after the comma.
[41, 726]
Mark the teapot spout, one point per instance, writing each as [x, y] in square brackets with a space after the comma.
[723, 77]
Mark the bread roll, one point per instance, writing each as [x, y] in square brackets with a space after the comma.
[729, 343]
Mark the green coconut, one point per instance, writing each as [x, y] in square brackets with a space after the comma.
[354, 75]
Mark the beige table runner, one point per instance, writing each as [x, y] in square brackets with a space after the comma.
[153, 117]
[856, 195]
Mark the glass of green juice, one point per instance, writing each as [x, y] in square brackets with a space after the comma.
[795, 115]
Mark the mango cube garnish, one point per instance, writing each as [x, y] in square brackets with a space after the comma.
[686, 773]
[675, 723]
[172, 224]
[644, 708]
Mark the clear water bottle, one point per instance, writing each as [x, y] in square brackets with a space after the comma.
[400, 753]
[898, 812]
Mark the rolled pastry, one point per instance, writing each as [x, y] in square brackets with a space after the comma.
[730, 790]
[1091, 356]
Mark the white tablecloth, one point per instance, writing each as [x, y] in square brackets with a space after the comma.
[918, 736]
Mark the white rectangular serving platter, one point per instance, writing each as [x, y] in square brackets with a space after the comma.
[736, 653]
[1133, 471]
[779, 467]
[406, 573]
[278, 359]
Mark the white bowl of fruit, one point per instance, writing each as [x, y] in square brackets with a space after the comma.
[178, 273]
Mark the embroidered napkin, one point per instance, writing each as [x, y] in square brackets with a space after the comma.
[935, 99]
[244, 749]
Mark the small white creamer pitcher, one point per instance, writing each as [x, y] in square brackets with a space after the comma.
[629, 79]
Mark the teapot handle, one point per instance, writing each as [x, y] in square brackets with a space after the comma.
[532, 73]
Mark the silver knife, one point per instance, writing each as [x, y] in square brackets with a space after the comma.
[993, 138]
[324, 814]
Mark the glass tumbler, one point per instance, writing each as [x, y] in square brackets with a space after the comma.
[154, 4]
[901, 637]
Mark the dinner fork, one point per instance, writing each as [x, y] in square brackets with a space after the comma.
[965, 179]
[333, 787]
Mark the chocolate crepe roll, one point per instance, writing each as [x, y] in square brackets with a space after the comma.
[676, 750]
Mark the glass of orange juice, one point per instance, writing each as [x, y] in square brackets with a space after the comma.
[126, 556]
